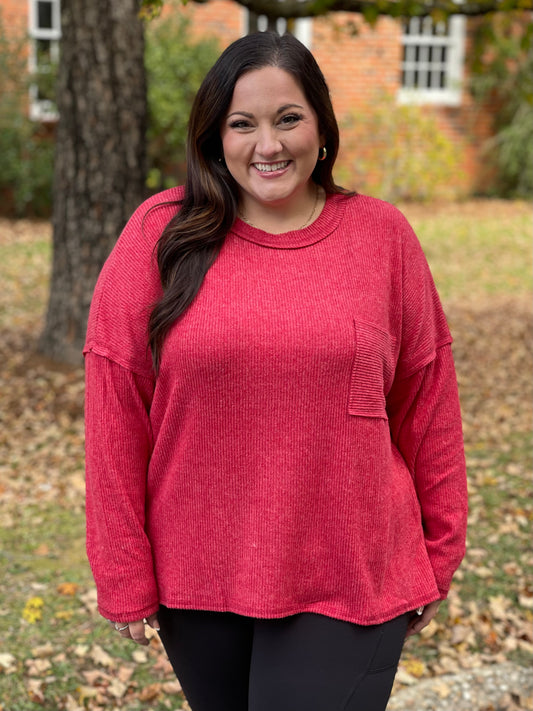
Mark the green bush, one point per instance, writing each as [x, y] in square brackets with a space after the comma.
[175, 66]
[402, 154]
[26, 150]
[501, 74]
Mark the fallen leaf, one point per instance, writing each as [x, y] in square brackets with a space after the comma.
[68, 589]
[35, 691]
[64, 614]
[403, 677]
[91, 676]
[526, 601]
[171, 687]
[8, 662]
[124, 673]
[90, 600]
[37, 667]
[483, 572]
[86, 693]
[100, 656]
[44, 650]
[81, 650]
[150, 692]
[117, 689]
[72, 705]
[139, 656]
[414, 667]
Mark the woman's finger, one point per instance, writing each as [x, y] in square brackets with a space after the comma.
[418, 622]
[153, 622]
[136, 632]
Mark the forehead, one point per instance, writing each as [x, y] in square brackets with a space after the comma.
[267, 87]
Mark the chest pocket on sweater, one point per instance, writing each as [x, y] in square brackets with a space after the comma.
[372, 371]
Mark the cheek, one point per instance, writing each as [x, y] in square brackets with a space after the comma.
[309, 143]
[233, 146]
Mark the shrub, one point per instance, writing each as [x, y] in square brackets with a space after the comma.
[401, 153]
[26, 150]
[501, 71]
[175, 66]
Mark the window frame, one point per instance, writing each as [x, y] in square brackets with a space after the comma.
[43, 109]
[453, 64]
[303, 26]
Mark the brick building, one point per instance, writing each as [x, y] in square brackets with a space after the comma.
[416, 63]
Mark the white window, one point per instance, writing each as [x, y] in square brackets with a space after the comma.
[300, 28]
[45, 31]
[432, 63]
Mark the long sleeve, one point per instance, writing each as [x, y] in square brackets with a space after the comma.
[425, 422]
[118, 447]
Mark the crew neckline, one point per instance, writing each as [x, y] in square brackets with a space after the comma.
[322, 227]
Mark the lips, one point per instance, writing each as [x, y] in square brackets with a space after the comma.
[271, 167]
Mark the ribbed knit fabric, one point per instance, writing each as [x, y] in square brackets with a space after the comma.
[301, 448]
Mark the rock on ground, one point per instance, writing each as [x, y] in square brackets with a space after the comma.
[502, 687]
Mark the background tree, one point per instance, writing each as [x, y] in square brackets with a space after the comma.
[100, 157]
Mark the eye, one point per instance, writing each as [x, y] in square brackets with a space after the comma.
[290, 119]
[240, 124]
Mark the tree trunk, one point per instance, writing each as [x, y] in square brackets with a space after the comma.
[100, 157]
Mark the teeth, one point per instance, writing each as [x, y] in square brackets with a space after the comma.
[270, 167]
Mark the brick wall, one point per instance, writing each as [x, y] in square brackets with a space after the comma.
[14, 14]
[221, 18]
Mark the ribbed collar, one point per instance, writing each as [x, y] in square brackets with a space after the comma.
[323, 226]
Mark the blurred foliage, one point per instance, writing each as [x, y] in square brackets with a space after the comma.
[402, 154]
[175, 66]
[439, 9]
[502, 74]
[26, 147]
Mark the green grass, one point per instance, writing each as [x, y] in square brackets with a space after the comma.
[480, 254]
[24, 272]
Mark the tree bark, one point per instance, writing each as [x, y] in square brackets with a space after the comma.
[100, 157]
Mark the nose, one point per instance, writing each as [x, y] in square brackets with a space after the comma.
[268, 144]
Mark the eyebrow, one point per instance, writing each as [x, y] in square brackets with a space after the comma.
[279, 111]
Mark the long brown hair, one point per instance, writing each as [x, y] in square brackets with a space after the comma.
[192, 239]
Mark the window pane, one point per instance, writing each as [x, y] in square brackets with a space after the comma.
[44, 15]
[43, 51]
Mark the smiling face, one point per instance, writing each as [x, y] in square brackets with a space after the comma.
[270, 139]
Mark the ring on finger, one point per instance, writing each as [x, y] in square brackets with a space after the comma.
[120, 629]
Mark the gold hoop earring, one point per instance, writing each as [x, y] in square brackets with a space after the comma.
[322, 153]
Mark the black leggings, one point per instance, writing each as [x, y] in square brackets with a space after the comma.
[306, 662]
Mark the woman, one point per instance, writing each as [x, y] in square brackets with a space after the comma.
[275, 469]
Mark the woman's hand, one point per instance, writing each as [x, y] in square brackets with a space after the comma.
[135, 630]
[418, 622]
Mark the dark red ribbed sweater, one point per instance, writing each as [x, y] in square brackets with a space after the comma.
[301, 447]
